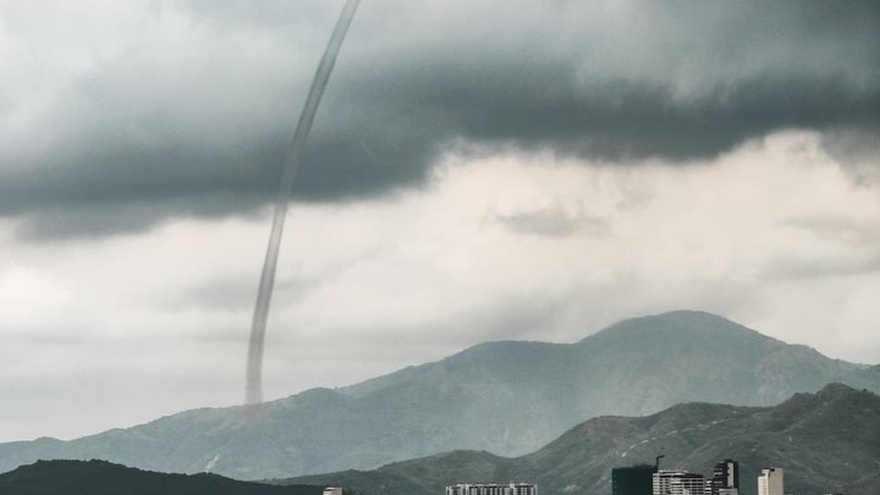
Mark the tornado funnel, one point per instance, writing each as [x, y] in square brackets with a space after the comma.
[254, 373]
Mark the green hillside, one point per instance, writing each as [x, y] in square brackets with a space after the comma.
[826, 442]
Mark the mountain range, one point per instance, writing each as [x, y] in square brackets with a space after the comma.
[508, 398]
[827, 442]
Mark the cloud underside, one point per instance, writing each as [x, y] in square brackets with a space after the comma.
[127, 142]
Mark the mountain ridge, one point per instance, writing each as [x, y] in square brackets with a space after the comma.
[827, 442]
[507, 397]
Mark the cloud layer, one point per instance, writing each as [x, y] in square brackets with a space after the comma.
[154, 110]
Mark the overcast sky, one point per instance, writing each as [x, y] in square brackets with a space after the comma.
[478, 171]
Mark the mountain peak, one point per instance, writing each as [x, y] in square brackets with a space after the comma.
[695, 329]
[835, 390]
[678, 319]
[831, 394]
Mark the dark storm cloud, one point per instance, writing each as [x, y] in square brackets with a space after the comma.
[618, 82]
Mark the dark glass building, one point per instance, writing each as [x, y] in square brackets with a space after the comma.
[633, 480]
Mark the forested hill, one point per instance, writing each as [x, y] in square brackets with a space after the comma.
[66, 477]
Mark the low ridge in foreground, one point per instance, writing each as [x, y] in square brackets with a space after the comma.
[64, 477]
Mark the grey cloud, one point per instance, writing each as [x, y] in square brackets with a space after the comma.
[858, 150]
[794, 267]
[860, 240]
[837, 229]
[644, 79]
[122, 216]
[236, 293]
[552, 221]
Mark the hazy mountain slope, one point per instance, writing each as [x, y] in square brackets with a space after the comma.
[827, 442]
[508, 398]
[699, 357]
[868, 486]
[104, 478]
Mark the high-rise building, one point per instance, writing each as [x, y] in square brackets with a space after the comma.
[632, 480]
[770, 481]
[492, 489]
[725, 479]
[677, 482]
[728, 472]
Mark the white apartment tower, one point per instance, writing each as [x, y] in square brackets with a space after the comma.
[492, 489]
[677, 482]
[770, 481]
